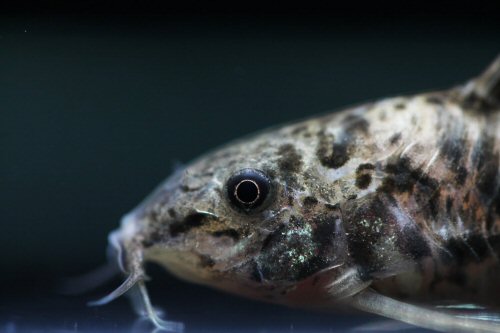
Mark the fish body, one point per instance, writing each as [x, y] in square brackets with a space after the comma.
[391, 204]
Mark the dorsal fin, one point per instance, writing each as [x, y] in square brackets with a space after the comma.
[483, 92]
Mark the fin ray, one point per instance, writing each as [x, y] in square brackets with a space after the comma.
[484, 89]
[370, 301]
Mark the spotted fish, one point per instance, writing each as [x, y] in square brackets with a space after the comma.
[391, 207]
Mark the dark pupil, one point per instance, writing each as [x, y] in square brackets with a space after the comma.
[247, 191]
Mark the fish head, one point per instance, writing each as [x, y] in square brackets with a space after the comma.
[249, 218]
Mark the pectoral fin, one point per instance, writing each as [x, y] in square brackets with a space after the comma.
[435, 319]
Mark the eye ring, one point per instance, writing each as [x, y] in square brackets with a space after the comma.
[245, 183]
[248, 189]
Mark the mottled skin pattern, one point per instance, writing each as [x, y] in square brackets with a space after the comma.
[402, 193]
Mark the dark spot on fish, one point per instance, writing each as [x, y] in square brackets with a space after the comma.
[486, 162]
[395, 138]
[433, 99]
[432, 202]
[231, 233]
[461, 175]
[338, 157]
[153, 214]
[206, 261]
[332, 206]
[479, 245]
[190, 222]
[452, 149]
[290, 160]
[427, 196]
[412, 243]
[487, 178]
[363, 176]
[461, 251]
[353, 123]
[171, 212]
[449, 205]
[401, 176]
[365, 166]
[187, 188]
[400, 106]
[154, 238]
[310, 201]
[334, 152]
[474, 102]
[363, 180]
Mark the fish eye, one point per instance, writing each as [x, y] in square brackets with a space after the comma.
[248, 188]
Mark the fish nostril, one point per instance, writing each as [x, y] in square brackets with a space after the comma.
[190, 221]
[172, 213]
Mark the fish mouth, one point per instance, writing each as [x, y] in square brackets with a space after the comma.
[129, 254]
[186, 265]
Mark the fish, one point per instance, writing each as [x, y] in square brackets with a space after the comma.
[391, 207]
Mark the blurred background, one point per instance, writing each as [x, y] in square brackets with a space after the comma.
[98, 102]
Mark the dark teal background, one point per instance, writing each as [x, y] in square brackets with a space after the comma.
[96, 111]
